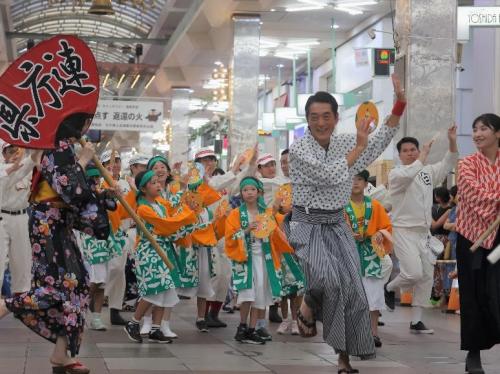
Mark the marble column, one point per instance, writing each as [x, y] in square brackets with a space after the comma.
[179, 147]
[426, 34]
[244, 83]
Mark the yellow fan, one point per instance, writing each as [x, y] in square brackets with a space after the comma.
[265, 226]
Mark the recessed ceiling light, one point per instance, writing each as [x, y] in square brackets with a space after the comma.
[261, 22]
[304, 8]
[273, 10]
[335, 27]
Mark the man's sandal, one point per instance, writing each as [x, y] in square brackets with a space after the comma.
[311, 325]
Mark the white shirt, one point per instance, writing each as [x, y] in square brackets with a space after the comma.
[230, 181]
[271, 186]
[15, 189]
[126, 223]
[411, 189]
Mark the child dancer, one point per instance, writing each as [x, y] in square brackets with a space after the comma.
[369, 220]
[155, 281]
[255, 262]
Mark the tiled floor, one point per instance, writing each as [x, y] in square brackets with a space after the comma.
[21, 352]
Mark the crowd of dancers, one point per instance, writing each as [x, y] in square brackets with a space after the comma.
[306, 233]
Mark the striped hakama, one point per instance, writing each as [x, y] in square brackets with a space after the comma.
[327, 253]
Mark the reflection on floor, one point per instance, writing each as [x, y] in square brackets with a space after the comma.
[22, 352]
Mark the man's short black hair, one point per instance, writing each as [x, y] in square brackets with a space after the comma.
[285, 152]
[407, 139]
[322, 97]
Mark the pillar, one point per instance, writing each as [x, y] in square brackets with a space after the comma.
[179, 147]
[245, 83]
[426, 33]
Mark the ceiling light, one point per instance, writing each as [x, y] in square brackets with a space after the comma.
[286, 56]
[304, 8]
[101, 8]
[279, 66]
[304, 43]
[351, 11]
[218, 63]
[358, 3]
[335, 26]
[105, 80]
[149, 82]
[273, 10]
[135, 81]
[269, 43]
[120, 81]
[313, 2]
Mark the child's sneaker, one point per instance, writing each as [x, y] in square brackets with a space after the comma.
[156, 336]
[133, 331]
[284, 328]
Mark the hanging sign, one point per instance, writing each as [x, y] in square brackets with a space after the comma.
[51, 81]
[471, 16]
[122, 115]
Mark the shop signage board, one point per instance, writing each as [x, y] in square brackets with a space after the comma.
[469, 16]
[122, 115]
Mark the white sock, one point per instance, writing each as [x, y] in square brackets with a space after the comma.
[261, 323]
[416, 314]
[165, 323]
[147, 319]
[96, 315]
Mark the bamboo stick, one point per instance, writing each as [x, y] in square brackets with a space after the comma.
[485, 234]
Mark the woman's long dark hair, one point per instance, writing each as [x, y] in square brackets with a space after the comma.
[72, 126]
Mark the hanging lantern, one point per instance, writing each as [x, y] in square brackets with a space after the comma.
[101, 8]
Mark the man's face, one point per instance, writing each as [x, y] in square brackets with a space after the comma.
[322, 122]
[284, 165]
[12, 154]
[409, 153]
[268, 170]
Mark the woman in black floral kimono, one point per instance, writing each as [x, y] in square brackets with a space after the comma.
[61, 201]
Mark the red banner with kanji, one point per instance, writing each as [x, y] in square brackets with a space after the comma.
[51, 81]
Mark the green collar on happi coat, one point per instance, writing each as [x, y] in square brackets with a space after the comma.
[274, 278]
[370, 262]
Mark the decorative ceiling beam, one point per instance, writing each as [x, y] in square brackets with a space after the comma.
[38, 36]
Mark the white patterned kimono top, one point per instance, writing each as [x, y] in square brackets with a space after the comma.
[321, 179]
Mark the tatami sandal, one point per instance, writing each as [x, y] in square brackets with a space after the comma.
[309, 324]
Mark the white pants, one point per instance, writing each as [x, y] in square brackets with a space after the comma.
[260, 294]
[116, 283]
[222, 280]
[374, 287]
[416, 270]
[204, 289]
[98, 274]
[15, 244]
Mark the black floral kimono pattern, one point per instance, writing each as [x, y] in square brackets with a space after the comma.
[59, 296]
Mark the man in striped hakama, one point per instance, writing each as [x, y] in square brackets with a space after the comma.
[322, 167]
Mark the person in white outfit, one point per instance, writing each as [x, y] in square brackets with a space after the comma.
[227, 184]
[115, 285]
[411, 192]
[15, 183]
